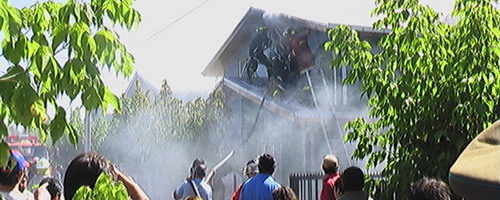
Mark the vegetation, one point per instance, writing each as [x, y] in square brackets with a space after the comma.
[150, 121]
[105, 188]
[432, 88]
[35, 39]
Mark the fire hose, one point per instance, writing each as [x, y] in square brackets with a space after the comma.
[212, 172]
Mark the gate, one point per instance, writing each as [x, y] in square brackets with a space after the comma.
[307, 186]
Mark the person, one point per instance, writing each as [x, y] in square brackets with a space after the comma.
[256, 49]
[353, 181]
[84, 170]
[50, 189]
[13, 178]
[301, 57]
[261, 186]
[194, 185]
[24, 185]
[250, 170]
[429, 189]
[475, 173]
[330, 168]
[284, 193]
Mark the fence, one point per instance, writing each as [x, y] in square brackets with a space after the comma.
[308, 186]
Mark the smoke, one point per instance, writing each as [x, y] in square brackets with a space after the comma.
[288, 127]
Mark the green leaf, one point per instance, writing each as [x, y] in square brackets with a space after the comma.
[3, 128]
[58, 124]
[59, 35]
[4, 153]
[109, 97]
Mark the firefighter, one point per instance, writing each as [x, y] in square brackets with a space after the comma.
[256, 49]
[301, 56]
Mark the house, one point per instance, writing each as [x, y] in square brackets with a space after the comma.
[145, 86]
[299, 119]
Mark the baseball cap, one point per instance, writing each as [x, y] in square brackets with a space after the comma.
[18, 158]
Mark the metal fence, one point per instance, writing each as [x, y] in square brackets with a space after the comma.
[307, 186]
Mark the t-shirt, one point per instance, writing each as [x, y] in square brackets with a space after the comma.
[328, 185]
[260, 187]
[17, 195]
[186, 190]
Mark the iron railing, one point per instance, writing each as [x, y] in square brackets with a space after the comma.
[307, 186]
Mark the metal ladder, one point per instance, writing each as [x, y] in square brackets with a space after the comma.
[323, 127]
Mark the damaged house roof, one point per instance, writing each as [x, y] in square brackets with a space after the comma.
[240, 37]
[238, 41]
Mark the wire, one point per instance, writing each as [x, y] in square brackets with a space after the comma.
[177, 20]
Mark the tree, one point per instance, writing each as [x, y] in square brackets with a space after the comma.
[432, 88]
[35, 38]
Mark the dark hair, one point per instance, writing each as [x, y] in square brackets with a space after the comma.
[353, 179]
[429, 189]
[10, 176]
[53, 186]
[84, 170]
[196, 162]
[266, 164]
[250, 162]
[284, 193]
[200, 171]
[339, 185]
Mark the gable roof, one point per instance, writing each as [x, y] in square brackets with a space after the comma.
[244, 31]
[143, 83]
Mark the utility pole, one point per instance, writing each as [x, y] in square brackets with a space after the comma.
[88, 133]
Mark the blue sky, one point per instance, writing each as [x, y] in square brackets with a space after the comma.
[180, 52]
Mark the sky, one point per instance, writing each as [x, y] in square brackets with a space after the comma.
[177, 38]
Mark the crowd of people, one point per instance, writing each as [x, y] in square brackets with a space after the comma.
[83, 170]
[260, 185]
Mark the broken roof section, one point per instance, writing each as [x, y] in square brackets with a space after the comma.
[244, 31]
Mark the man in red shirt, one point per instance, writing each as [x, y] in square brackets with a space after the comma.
[330, 167]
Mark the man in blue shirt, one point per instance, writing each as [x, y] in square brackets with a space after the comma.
[262, 185]
[195, 185]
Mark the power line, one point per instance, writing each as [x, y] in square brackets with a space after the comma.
[178, 19]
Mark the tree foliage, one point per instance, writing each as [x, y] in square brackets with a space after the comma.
[35, 39]
[105, 188]
[432, 88]
[164, 116]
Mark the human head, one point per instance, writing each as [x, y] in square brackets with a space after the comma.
[429, 189]
[54, 187]
[84, 169]
[289, 31]
[353, 179]
[15, 171]
[266, 164]
[200, 171]
[330, 164]
[284, 193]
[251, 169]
[196, 162]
